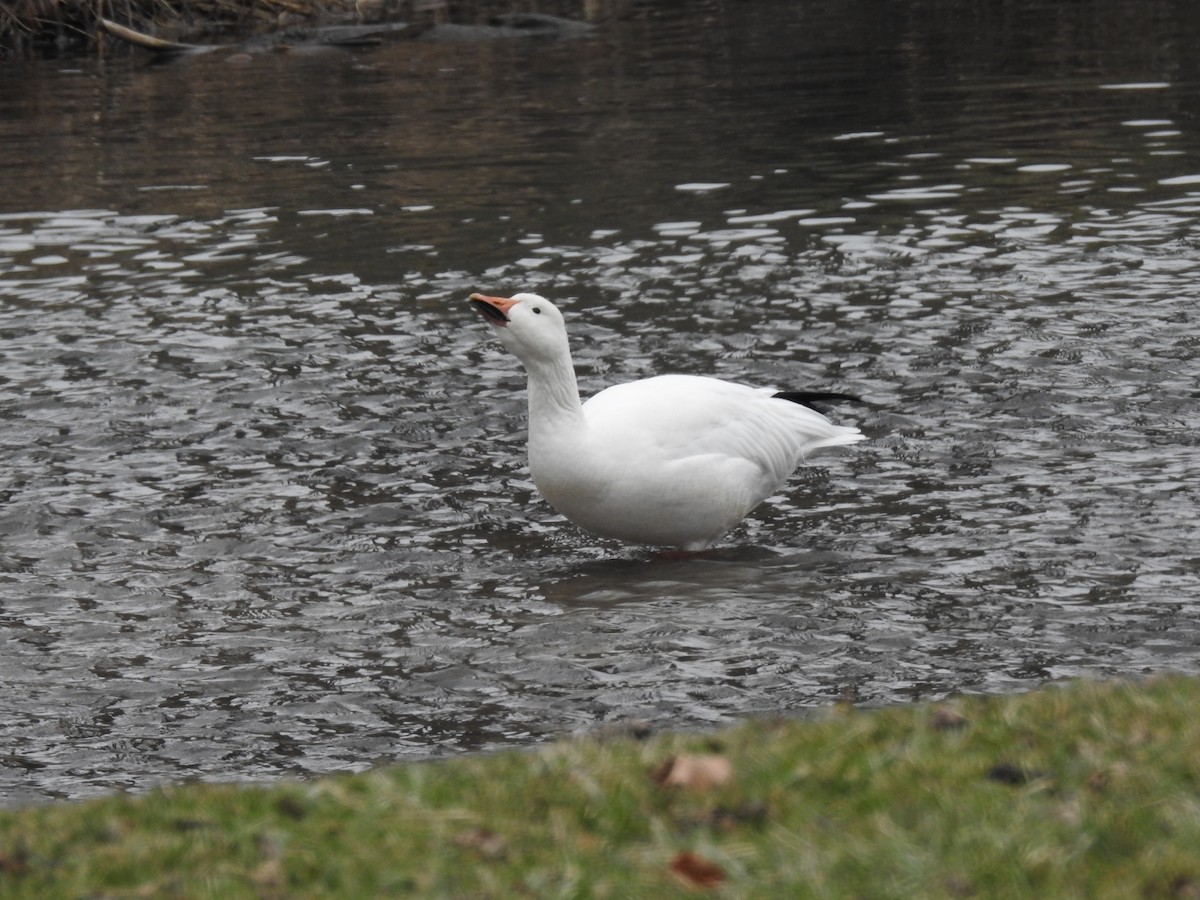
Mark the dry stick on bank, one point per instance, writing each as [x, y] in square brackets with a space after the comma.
[56, 25]
[27, 25]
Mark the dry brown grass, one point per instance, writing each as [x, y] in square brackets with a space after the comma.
[28, 25]
[72, 25]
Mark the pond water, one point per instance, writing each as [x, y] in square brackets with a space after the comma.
[264, 506]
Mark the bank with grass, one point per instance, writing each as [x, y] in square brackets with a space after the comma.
[1085, 790]
[77, 26]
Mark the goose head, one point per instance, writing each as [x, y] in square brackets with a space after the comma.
[531, 327]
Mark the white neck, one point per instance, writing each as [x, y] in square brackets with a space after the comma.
[554, 407]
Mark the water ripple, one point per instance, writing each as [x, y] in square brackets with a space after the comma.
[263, 509]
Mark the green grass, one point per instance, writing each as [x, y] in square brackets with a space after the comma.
[1090, 790]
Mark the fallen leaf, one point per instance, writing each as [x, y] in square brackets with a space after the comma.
[959, 885]
[1007, 773]
[696, 872]
[268, 874]
[14, 863]
[290, 807]
[486, 843]
[1184, 888]
[1013, 775]
[695, 773]
[947, 718]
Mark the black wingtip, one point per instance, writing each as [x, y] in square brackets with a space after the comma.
[811, 398]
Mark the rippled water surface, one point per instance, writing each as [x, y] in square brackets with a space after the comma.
[264, 506]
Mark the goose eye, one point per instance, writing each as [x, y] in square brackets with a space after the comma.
[538, 310]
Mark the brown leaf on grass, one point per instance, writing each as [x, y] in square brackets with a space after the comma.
[1184, 888]
[947, 718]
[486, 843]
[1007, 773]
[694, 773]
[268, 874]
[1015, 775]
[696, 872]
[14, 862]
[959, 885]
[290, 807]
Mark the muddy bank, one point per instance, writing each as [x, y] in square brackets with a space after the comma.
[65, 27]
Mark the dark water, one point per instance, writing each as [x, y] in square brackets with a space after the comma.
[264, 512]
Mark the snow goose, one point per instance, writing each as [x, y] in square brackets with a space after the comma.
[674, 460]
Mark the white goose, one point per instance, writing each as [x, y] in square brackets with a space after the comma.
[675, 460]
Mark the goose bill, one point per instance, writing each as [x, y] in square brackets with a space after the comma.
[494, 309]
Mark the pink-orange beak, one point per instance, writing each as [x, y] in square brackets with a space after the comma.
[494, 309]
